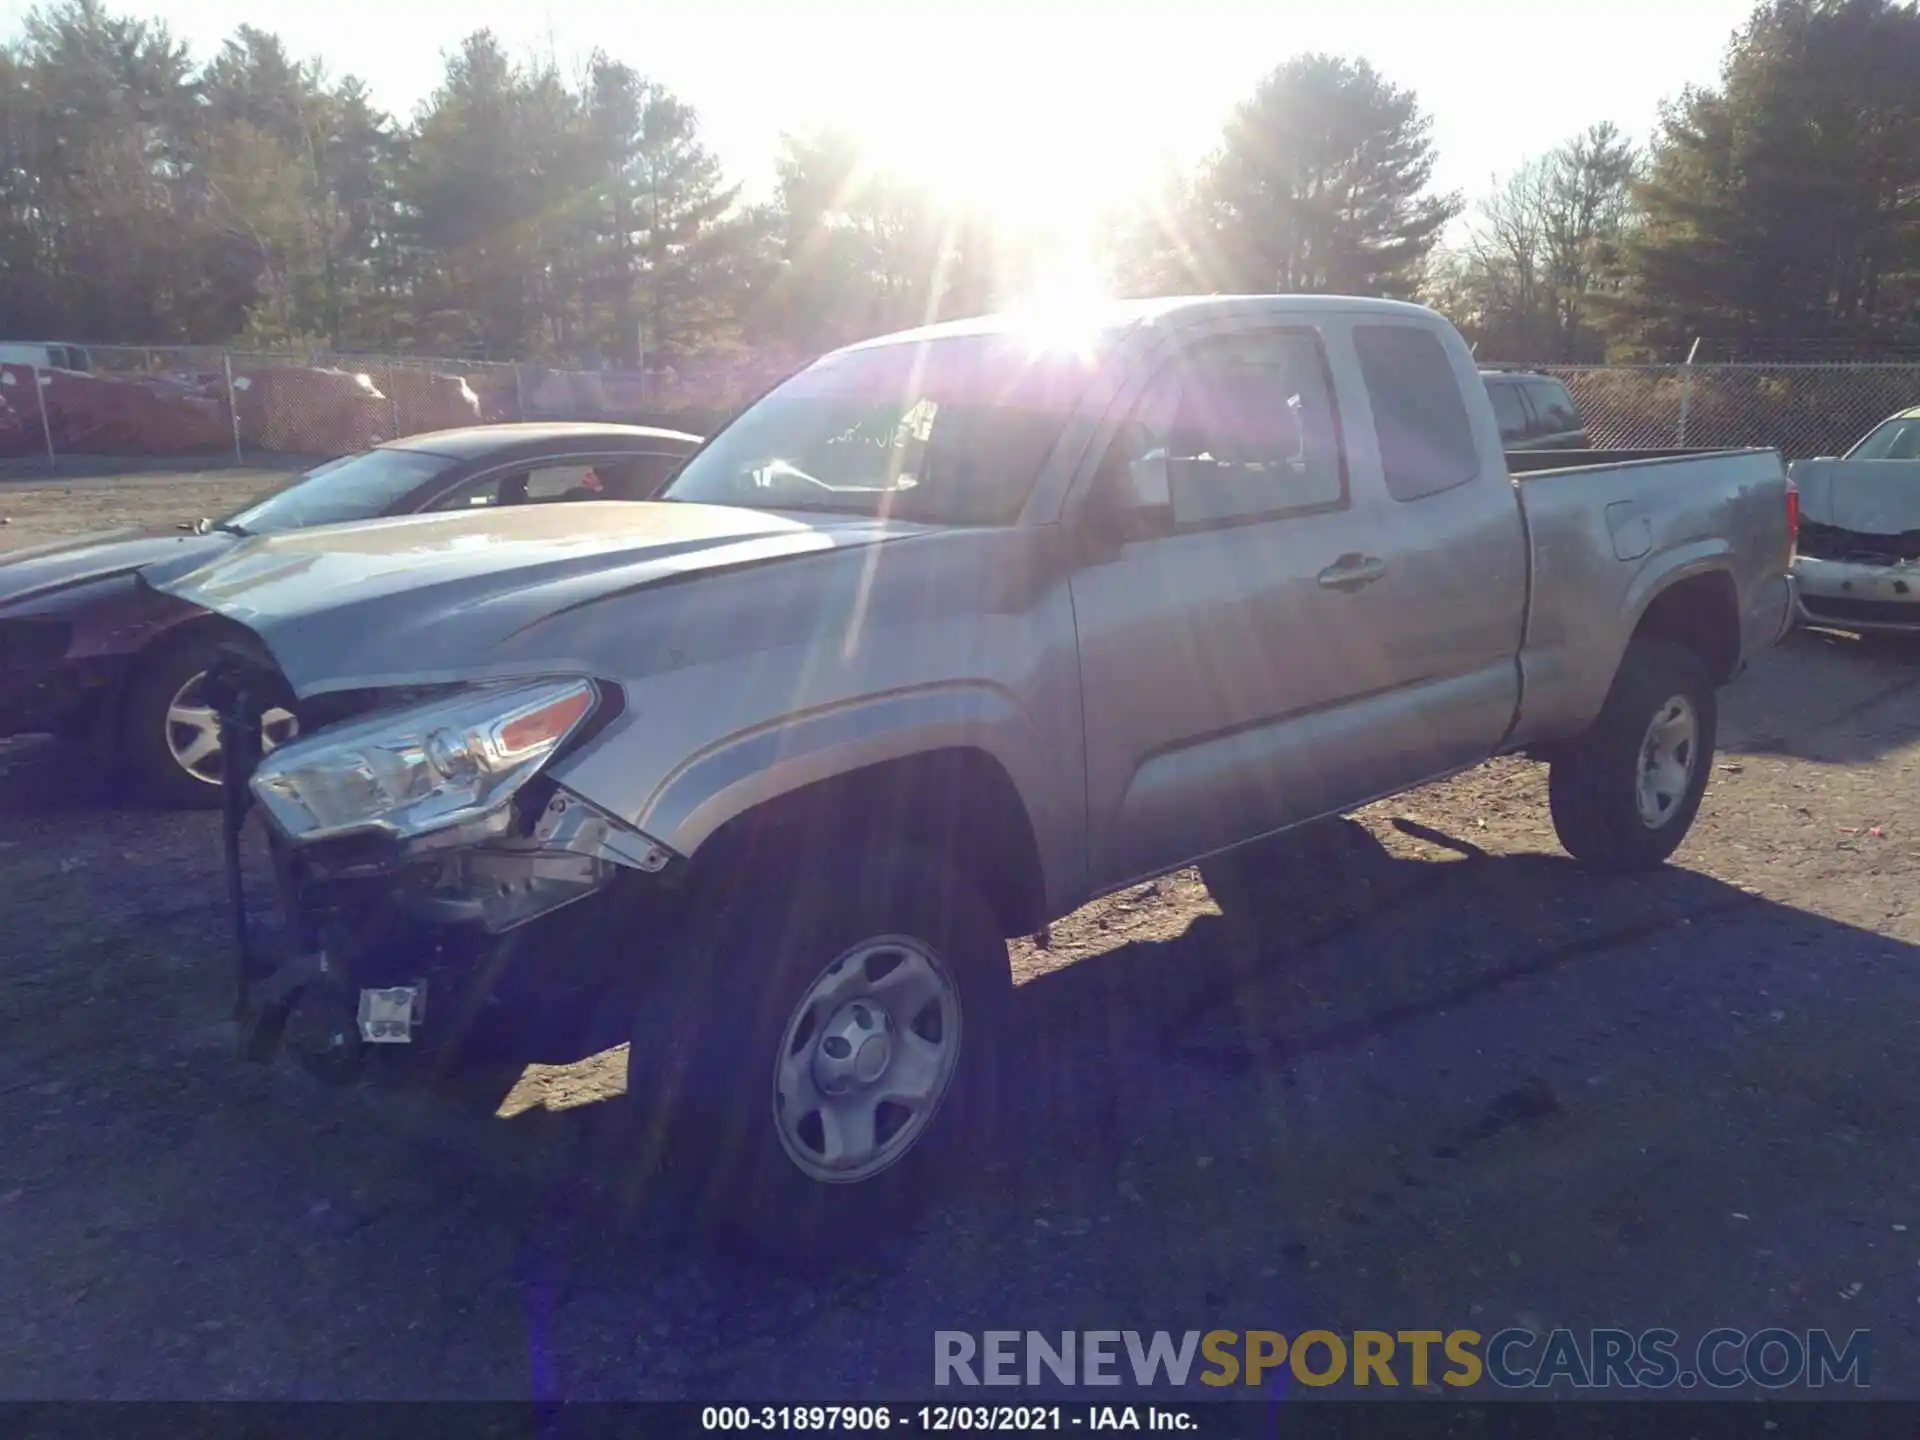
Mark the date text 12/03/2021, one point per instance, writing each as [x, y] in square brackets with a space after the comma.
[942, 1419]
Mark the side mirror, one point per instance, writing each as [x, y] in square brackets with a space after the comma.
[1133, 493]
[200, 526]
[1148, 487]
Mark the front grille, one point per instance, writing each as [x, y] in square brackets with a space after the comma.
[1866, 612]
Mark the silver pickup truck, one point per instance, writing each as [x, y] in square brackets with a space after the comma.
[945, 636]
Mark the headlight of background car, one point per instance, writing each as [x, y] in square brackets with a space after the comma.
[411, 771]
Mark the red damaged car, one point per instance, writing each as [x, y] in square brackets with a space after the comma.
[90, 655]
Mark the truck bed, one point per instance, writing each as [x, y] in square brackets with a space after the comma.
[1621, 526]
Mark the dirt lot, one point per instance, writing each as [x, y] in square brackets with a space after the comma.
[34, 510]
[1467, 1085]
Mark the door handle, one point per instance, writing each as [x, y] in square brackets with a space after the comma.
[1352, 572]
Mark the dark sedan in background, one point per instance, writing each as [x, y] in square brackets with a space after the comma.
[1536, 412]
[89, 654]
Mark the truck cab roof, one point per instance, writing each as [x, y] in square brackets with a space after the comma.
[1111, 317]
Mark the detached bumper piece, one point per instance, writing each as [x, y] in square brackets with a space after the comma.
[501, 942]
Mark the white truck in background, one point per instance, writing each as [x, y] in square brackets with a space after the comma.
[44, 355]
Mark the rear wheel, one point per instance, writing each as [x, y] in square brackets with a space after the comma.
[823, 1051]
[1624, 796]
[170, 736]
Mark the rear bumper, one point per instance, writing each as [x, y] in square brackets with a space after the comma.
[1854, 596]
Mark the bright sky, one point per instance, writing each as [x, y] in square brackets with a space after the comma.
[1042, 106]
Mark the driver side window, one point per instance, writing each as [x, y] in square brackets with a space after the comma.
[485, 493]
[1248, 428]
[539, 485]
[561, 482]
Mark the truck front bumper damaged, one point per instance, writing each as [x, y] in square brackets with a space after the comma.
[499, 939]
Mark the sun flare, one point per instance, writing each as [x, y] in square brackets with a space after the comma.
[1065, 309]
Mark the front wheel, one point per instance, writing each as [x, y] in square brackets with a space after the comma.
[1624, 796]
[824, 1049]
[170, 736]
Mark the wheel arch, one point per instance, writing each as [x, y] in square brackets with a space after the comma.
[102, 721]
[1694, 606]
[1698, 611]
[958, 801]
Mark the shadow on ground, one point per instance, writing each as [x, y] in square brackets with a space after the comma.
[1825, 696]
[41, 777]
[380, 1241]
[1370, 937]
[1406, 1046]
[1423, 1084]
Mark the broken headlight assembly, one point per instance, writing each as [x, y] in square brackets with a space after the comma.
[407, 773]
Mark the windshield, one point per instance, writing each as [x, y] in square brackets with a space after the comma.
[354, 487]
[945, 432]
[1895, 440]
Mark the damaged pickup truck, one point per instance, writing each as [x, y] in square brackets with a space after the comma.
[945, 636]
[1858, 566]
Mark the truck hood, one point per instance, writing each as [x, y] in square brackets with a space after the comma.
[424, 599]
[40, 569]
[1868, 497]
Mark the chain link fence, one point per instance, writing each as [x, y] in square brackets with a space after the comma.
[1800, 409]
[225, 406]
[221, 406]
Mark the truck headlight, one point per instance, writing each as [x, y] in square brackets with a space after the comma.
[407, 772]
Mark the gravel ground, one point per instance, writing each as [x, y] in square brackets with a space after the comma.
[34, 510]
[1465, 1086]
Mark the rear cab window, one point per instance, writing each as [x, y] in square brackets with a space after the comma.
[1509, 410]
[1555, 406]
[1420, 418]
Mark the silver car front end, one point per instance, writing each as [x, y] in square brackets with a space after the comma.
[1858, 594]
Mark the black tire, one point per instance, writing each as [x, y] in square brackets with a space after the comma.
[147, 758]
[1593, 784]
[701, 1069]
